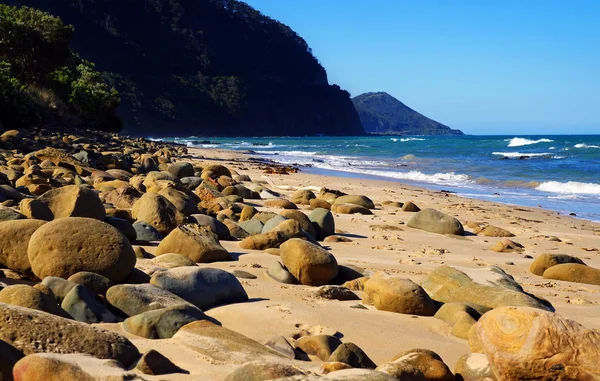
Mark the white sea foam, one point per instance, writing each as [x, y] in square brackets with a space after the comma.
[583, 145]
[407, 139]
[518, 142]
[287, 153]
[571, 187]
[519, 154]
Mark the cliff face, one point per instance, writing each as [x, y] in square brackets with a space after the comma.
[205, 67]
[380, 113]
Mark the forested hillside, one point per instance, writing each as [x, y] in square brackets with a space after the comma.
[205, 67]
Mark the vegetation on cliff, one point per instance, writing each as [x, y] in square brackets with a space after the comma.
[43, 82]
[382, 114]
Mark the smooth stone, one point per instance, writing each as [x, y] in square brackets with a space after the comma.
[162, 323]
[359, 200]
[281, 345]
[203, 287]
[310, 264]
[429, 363]
[278, 272]
[15, 243]
[223, 346]
[351, 354]
[198, 243]
[30, 297]
[252, 226]
[123, 226]
[217, 227]
[574, 272]
[545, 261]
[134, 299]
[321, 346]
[323, 223]
[73, 201]
[272, 223]
[146, 232]
[336, 293]
[157, 211]
[434, 221]
[96, 283]
[258, 371]
[154, 363]
[66, 246]
[389, 293]
[83, 306]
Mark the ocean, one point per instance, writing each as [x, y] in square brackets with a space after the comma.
[560, 173]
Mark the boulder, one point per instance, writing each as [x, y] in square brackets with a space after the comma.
[278, 272]
[360, 200]
[223, 346]
[545, 261]
[272, 223]
[389, 293]
[217, 170]
[263, 241]
[96, 283]
[122, 197]
[434, 221]
[203, 287]
[350, 209]
[303, 196]
[319, 203]
[32, 331]
[155, 364]
[323, 222]
[489, 287]
[15, 243]
[162, 323]
[336, 293]
[351, 354]
[247, 213]
[9, 356]
[30, 297]
[310, 264]
[73, 201]
[83, 306]
[198, 243]
[252, 226]
[321, 346]
[124, 226]
[183, 202]
[134, 299]
[507, 246]
[216, 226]
[281, 345]
[9, 214]
[280, 203]
[181, 170]
[573, 272]
[258, 371]
[527, 343]
[494, 231]
[302, 219]
[157, 211]
[60, 287]
[69, 245]
[474, 367]
[427, 362]
[146, 232]
[171, 261]
[408, 206]
[460, 316]
[70, 367]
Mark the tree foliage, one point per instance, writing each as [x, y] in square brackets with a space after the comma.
[43, 81]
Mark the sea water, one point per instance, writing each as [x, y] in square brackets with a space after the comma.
[560, 173]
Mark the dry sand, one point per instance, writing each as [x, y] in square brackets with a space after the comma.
[293, 311]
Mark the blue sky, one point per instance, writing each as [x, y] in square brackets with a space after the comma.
[486, 67]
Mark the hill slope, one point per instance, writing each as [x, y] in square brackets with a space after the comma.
[380, 113]
[205, 67]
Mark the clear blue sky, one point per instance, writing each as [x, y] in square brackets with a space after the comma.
[486, 67]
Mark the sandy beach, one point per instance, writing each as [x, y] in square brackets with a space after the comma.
[375, 242]
[382, 242]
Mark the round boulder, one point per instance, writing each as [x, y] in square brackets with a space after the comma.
[198, 243]
[15, 242]
[435, 221]
[69, 245]
[399, 295]
[310, 264]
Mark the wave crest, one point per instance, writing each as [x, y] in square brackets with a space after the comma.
[518, 142]
[571, 187]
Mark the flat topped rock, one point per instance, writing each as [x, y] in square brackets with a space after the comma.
[489, 287]
[224, 346]
[133, 299]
